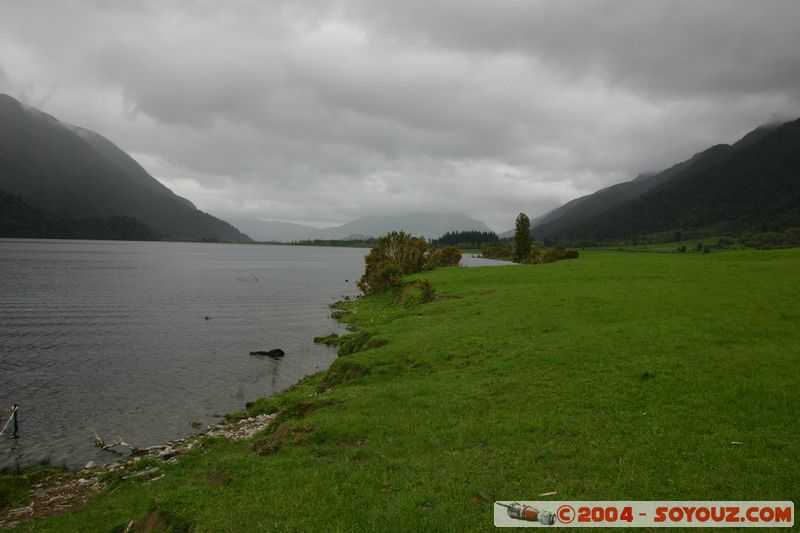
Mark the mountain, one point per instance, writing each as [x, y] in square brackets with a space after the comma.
[66, 172]
[133, 169]
[752, 185]
[431, 225]
[19, 220]
[273, 231]
[580, 210]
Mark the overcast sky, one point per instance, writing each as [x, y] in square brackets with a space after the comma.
[318, 112]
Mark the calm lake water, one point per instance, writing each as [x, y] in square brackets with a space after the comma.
[113, 336]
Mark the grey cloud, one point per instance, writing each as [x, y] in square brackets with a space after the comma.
[670, 46]
[322, 111]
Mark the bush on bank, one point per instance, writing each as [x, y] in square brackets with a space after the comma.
[397, 254]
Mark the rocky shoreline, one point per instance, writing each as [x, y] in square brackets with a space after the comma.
[67, 491]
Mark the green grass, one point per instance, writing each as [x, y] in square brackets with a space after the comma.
[14, 486]
[13, 490]
[614, 376]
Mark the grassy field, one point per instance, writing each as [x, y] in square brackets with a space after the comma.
[614, 376]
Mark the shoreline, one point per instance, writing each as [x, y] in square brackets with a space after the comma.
[79, 484]
[62, 490]
[141, 344]
[66, 490]
[432, 410]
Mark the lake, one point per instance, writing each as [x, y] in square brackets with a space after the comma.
[143, 339]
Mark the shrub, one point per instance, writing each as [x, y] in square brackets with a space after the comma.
[555, 254]
[394, 255]
[771, 239]
[558, 253]
[397, 254]
[446, 256]
[497, 250]
[725, 242]
[428, 292]
[380, 276]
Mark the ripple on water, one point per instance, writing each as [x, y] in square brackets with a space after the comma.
[113, 336]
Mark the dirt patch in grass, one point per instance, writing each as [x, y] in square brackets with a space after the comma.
[301, 434]
[273, 443]
[156, 521]
[416, 292]
[218, 478]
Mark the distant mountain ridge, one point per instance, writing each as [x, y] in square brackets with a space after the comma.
[431, 225]
[133, 169]
[272, 230]
[68, 172]
[751, 185]
[585, 208]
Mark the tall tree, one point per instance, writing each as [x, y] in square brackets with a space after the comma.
[522, 238]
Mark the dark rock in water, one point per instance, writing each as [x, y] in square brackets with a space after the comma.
[276, 352]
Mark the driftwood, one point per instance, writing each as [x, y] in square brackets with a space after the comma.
[58, 494]
[119, 443]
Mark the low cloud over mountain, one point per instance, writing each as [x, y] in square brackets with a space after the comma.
[321, 112]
